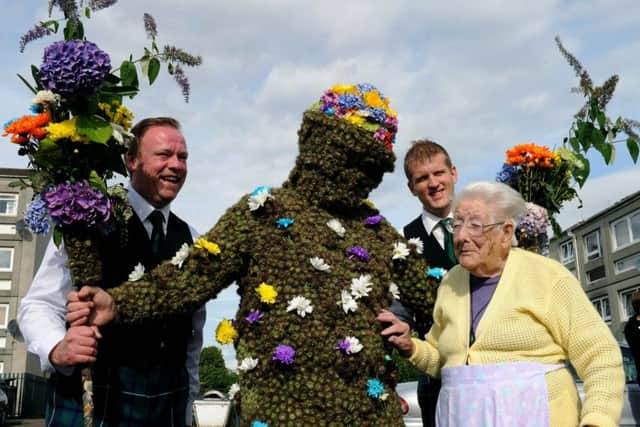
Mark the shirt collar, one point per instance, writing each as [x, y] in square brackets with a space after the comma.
[143, 208]
[430, 220]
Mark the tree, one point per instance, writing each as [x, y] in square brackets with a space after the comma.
[214, 375]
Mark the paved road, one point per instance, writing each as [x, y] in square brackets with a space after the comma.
[33, 422]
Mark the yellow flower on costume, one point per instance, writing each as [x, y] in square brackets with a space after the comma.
[210, 247]
[390, 111]
[267, 293]
[355, 119]
[225, 332]
[369, 203]
[344, 89]
[65, 130]
[373, 99]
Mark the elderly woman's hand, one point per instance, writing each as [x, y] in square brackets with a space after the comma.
[397, 333]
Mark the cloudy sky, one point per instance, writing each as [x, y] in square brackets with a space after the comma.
[478, 77]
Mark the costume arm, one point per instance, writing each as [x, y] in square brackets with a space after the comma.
[592, 350]
[41, 315]
[427, 357]
[172, 289]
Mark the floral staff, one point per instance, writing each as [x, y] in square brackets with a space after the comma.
[76, 135]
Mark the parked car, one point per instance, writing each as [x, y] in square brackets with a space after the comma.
[4, 407]
[213, 409]
[630, 410]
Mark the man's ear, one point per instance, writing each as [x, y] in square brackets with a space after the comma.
[410, 186]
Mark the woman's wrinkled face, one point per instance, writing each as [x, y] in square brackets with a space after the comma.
[481, 238]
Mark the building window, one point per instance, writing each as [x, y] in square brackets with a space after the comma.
[602, 307]
[6, 259]
[625, 298]
[1, 367]
[628, 263]
[8, 204]
[3, 342]
[4, 316]
[596, 274]
[7, 229]
[567, 254]
[626, 230]
[5, 285]
[592, 245]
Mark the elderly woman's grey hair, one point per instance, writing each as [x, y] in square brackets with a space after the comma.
[508, 203]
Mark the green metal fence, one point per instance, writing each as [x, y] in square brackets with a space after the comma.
[27, 394]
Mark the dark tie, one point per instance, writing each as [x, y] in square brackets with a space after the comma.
[157, 234]
[447, 227]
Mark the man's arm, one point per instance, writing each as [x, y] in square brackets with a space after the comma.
[41, 317]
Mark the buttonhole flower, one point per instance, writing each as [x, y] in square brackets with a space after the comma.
[210, 247]
[301, 305]
[347, 302]
[267, 293]
[375, 388]
[180, 256]
[284, 354]
[137, 273]
[417, 243]
[259, 197]
[336, 226]
[400, 251]
[394, 290]
[359, 252]
[436, 272]
[233, 390]
[254, 316]
[284, 222]
[319, 264]
[247, 364]
[373, 220]
[361, 286]
[350, 345]
[225, 332]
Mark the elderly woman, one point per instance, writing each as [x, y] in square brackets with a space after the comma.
[506, 321]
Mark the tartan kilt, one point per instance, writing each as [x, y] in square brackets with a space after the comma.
[123, 397]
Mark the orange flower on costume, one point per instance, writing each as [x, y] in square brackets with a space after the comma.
[532, 155]
[27, 127]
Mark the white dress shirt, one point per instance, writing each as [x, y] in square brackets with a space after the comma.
[41, 315]
[431, 224]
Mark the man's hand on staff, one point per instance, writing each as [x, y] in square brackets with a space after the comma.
[397, 333]
[90, 305]
[79, 345]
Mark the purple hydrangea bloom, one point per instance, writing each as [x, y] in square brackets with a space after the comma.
[507, 175]
[74, 68]
[536, 221]
[373, 220]
[359, 252]
[284, 354]
[36, 216]
[378, 115]
[349, 101]
[374, 388]
[254, 316]
[78, 204]
[366, 87]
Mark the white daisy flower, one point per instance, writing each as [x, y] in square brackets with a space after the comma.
[400, 251]
[137, 273]
[46, 97]
[301, 305]
[354, 345]
[181, 255]
[319, 264]
[394, 290]
[235, 388]
[384, 396]
[417, 242]
[247, 364]
[259, 197]
[361, 286]
[336, 226]
[347, 302]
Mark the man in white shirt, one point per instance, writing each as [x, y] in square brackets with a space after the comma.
[143, 376]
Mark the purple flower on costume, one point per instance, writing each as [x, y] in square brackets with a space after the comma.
[78, 204]
[367, 87]
[349, 101]
[373, 220]
[359, 252]
[254, 316]
[36, 216]
[284, 222]
[344, 346]
[377, 114]
[329, 98]
[284, 354]
[74, 68]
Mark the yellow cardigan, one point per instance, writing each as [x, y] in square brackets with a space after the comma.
[538, 313]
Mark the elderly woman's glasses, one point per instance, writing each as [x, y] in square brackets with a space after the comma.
[474, 228]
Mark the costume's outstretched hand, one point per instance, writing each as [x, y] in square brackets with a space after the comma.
[91, 305]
